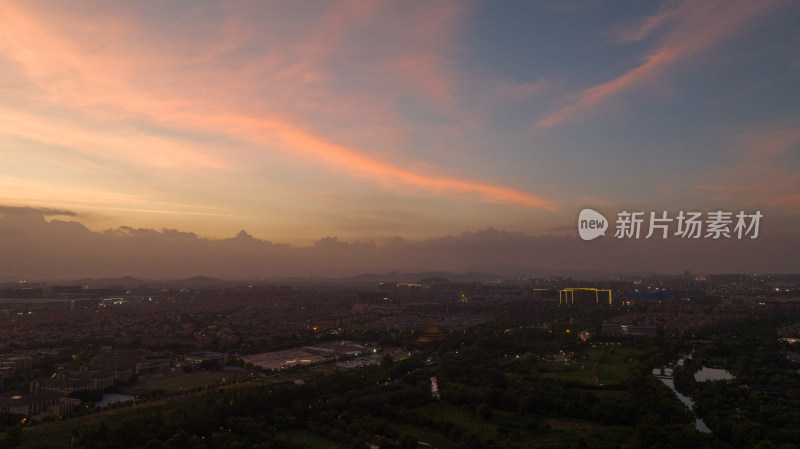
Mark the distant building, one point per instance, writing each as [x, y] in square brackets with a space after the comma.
[383, 286]
[37, 405]
[569, 296]
[432, 335]
[537, 293]
[67, 382]
[656, 295]
[21, 363]
[629, 329]
[197, 358]
[374, 298]
[109, 302]
[122, 366]
[153, 364]
[9, 367]
[6, 373]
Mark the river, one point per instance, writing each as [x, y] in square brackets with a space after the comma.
[698, 423]
[664, 374]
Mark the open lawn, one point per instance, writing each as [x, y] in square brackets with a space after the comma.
[453, 414]
[309, 440]
[508, 431]
[610, 368]
[57, 434]
[188, 381]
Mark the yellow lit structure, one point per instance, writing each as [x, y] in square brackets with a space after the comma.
[569, 296]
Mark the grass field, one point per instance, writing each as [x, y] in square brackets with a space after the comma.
[56, 434]
[309, 440]
[188, 381]
[445, 412]
[610, 368]
[550, 432]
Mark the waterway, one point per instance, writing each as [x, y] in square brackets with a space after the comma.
[111, 398]
[707, 374]
[698, 423]
[434, 388]
[704, 374]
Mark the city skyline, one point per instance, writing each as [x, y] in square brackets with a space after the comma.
[382, 130]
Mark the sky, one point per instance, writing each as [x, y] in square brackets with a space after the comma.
[352, 136]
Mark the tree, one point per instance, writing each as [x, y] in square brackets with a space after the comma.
[484, 411]
[409, 442]
[13, 436]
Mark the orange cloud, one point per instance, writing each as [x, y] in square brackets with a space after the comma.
[424, 74]
[378, 171]
[291, 138]
[130, 146]
[695, 28]
[106, 73]
[22, 191]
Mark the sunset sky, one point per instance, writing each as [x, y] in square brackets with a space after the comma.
[367, 121]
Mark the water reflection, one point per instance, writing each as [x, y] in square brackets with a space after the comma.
[698, 423]
[664, 374]
[706, 374]
[434, 388]
[113, 398]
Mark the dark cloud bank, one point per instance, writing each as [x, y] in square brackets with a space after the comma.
[35, 248]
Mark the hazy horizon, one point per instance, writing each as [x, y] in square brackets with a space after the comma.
[34, 248]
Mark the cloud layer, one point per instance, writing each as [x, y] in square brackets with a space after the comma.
[35, 248]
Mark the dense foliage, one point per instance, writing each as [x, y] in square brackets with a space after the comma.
[504, 385]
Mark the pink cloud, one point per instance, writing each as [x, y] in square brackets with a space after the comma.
[359, 164]
[378, 171]
[110, 72]
[648, 26]
[423, 74]
[694, 28]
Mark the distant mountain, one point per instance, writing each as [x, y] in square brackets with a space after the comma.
[130, 281]
[418, 277]
[479, 274]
